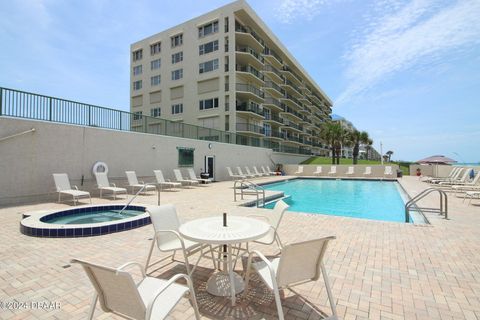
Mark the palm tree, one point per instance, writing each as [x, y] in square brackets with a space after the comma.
[329, 135]
[343, 140]
[358, 138]
[368, 147]
[389, 154]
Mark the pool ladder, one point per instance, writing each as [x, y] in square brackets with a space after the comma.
[245, 187]
[411, 205]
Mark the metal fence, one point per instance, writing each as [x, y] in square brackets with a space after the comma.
[21, 104]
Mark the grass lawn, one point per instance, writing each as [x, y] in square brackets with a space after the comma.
[328, 161]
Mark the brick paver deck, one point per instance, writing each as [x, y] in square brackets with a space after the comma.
[378, 270]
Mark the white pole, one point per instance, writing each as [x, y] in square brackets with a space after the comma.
[381, 152]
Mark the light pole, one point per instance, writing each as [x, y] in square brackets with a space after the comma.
[381, 152]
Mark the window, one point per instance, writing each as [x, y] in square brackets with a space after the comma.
[155, 80]
[137, 115]
[137, 85]
[208, 66]
[177, 74]
[177, 40]
[208, 47]
[207, 29]
[208, 104]
[177, 57]
[137, 70]
[137, 55]
[177, 108]
[155, 48]
[185, 157]
[226, 24]
[156, 112]
[155, 64]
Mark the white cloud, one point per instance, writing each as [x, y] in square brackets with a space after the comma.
[290, 10]
[397, 37]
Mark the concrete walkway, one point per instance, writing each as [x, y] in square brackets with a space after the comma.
[378, 270]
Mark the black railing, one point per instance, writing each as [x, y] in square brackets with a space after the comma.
[247, 49]
[249, 107]
[273, 117]
[275, 134]
[249, 69]
[249, 88]
[273, 101]
[269, 52]
[274, 86]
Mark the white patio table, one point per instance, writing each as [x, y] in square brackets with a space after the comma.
[211, 231]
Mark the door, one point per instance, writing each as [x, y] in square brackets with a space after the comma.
[210, 166]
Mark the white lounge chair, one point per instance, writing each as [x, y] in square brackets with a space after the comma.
[135, 184]
[249, 173]
[193, 177]
[178, 176]
[388, 171]
[273, 217]
[150, 298]
[471, 195]
[299, 263]
[461, 180]
[350, 171]
[165, 223]
[240, 173]
[258, 173]
[318, 171]
[450, 176]
[104, 185]
[333, 170]
[234, 176]
[162, 182]
[62, 184]
[368, 171]
[267, 171]
[299, 170]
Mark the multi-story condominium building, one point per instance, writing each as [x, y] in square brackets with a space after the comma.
[226, 70]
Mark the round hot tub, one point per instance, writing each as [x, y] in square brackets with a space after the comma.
[84, 221]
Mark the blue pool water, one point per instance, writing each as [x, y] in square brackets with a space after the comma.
[377, 200]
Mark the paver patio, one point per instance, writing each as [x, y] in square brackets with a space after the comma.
[378, 270]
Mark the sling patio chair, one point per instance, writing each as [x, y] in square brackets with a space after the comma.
[62, 184]
[150, 298]
[165, 183]
[368, 171]
[333, 170]
[104, 185]
[299, 263]
[193, 177]
[260, 174]
[249, 173]
[388, 171]
[299, 170]
[135, 184]
[268, 172]
[179, 178]
[234, 176]
[350, 171]
[240, 172]
[318, 171]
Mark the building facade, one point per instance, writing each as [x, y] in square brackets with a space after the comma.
[226, 70]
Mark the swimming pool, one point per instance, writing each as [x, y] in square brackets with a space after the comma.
[377, 200]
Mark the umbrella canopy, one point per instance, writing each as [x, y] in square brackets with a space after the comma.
[438, 159]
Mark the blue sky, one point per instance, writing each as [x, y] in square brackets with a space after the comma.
[408, 72]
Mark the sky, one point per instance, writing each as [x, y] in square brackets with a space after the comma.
[407, 72]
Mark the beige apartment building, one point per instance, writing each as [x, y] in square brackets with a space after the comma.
[226, 70]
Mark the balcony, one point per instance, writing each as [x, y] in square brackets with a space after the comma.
[291, 87]
[250, 74]
[289, 112]
[274, 74]
[251, 109]
[292, 75]
[274, 135]
[293, 126]
[247, 55]
[247, 36]
[249, 92]
[272, 57]
[273, 89]
[294, 139]
[249, 129]
[273, 103]
[292, 101]
[273, 117]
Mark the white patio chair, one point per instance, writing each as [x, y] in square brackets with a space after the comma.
[273, 217]
[333, 170]
[299, 263]
[150, 298]
[451, 175]
[368, 171]
[193, 177]
[249, 173]
[318, 171]
[104, 185]
[267, 172]
[165, 223]
[179, 178]
[162, 182]
[473, 185]
[240, 173]
[299, 170]
[273, 173]
[258, 173]
[461, 180]
[350, 171]
[388, 171]
[234, 176]
[62, 184]
[135, 184]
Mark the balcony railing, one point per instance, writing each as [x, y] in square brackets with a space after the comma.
[269, 52]
[249, 107]
[293, 138]
[293, 125]
[272, 69]
[273, 85]
[243, 29]
[249, 50]
[274, 134]
[249, 88]
[273, 117]
[290, 97]
[290, 110]
[247, 127]
[249, 69]
[273, 101]
[296, 76]
[292, 85]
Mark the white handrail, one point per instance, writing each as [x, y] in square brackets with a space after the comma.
[17, 134]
